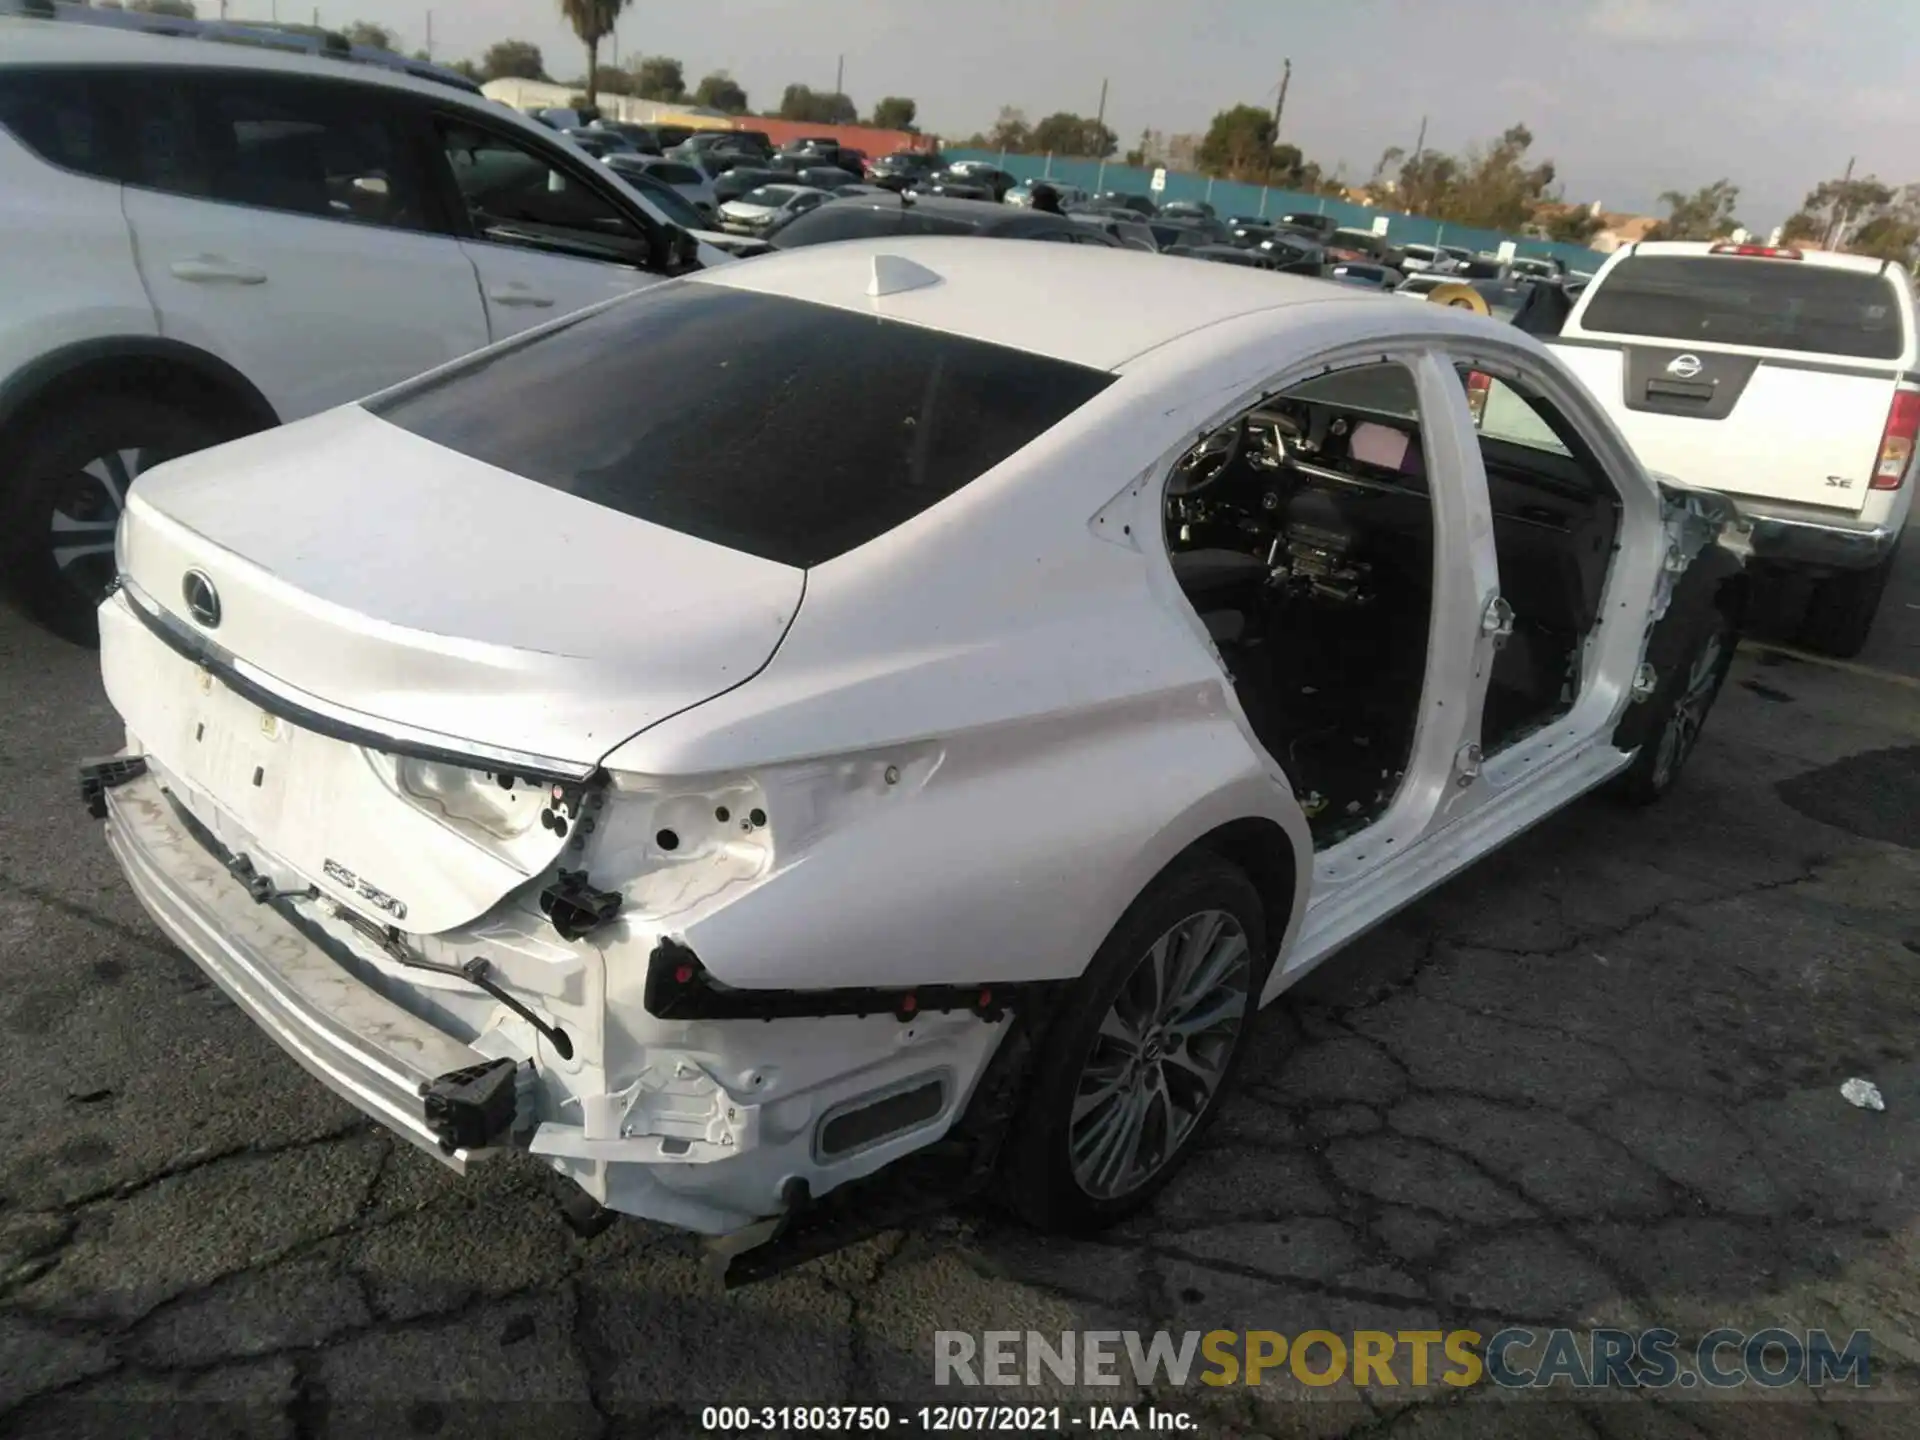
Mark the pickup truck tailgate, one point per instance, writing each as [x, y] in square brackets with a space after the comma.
[1760, 371]
[1778, 429]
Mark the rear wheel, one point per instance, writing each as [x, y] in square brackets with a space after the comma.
[1144, 1051]
[70, 481]
[1841, 609]
[1682, 701]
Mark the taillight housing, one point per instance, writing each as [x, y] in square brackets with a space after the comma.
[1896, 441]
[1479, 385]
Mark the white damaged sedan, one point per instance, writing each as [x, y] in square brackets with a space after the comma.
[796, 744]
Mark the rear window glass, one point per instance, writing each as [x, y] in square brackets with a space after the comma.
[1769, 304]
[787, 430]
[860, 222]
[61, 118]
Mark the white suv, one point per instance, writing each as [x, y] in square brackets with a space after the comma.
[201, 240]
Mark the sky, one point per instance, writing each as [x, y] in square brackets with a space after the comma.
[1628, 97]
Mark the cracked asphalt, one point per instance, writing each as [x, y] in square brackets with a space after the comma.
[1594, 1082]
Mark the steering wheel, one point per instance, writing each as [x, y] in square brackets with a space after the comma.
[1208, 460]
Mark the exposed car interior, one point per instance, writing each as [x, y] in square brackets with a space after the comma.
[1555, 520]
[1302, 533]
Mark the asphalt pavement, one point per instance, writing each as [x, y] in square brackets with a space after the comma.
[1596, 1081]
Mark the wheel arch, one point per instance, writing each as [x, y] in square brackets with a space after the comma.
[1276, 856]
[1716, 580]
[152, 367]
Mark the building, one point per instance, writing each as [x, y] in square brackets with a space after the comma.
[1621, 229]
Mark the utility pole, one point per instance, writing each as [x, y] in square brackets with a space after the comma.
[1099, 124]
[429, 36]
[1420, 145]
[840, 76]
[1279, 105]
[1838, 228]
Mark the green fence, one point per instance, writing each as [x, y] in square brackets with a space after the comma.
[1230, 197]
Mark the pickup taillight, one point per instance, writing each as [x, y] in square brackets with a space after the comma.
[1896, 442]
[1479, 386]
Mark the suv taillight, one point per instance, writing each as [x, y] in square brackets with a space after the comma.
[1896, 442]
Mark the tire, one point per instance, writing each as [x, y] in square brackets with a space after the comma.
[1841, 609]
[68, 485]
[1681, 703]
[1081, 1056]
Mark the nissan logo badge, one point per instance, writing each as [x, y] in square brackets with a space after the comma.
[203, 601]
[1684, 366]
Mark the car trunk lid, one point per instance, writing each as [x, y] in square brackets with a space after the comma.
[428, 592]
[399, 629]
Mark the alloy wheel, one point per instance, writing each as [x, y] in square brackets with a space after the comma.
[1689, 715]
[1160, 1055]
[86, 509]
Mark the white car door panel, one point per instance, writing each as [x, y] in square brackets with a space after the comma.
[523, 288]
[283, 226]
[314, 312]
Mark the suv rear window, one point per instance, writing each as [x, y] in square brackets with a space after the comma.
[863, 222]
[788, 430]
[1768, 304]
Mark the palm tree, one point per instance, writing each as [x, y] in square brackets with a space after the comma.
[592, 21]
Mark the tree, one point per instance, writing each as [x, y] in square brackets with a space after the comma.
[615, 81]
[660, 77]
[1866, 217]
[1010, 132]
[365, 32]
[513, 60]
[108, 5]
[469, 69]
[894, 112]
[816, 107]
[1706, 214]
[180, 9]
[720, 91]
[592, 21]
[1150, 152]
[1573, 224]
[1238, 144]
[1063, 133]
[1491, 187]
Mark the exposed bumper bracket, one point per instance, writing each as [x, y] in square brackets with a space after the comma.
[472, 1108]
[575, 907]
[99, 776]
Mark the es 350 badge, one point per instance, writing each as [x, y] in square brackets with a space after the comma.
[373, 895]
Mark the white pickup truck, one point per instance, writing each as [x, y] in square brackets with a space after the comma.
[1786, 380]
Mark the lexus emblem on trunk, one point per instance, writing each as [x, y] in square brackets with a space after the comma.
[203, 601]
[1684, 366]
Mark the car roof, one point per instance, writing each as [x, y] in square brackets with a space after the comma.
[34, 42]
[1054, 300]
[1829, 259]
